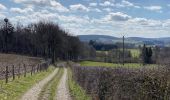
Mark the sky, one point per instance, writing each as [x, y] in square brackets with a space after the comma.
[132, 18]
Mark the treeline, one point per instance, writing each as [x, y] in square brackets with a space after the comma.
[106, 47]
[155, 55]
[43, 39]
[146, 55]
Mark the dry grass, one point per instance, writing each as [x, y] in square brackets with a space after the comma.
[18, 61]
[13, 58]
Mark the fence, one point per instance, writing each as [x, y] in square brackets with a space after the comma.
[16, 70]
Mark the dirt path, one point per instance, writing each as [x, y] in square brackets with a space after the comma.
[62, 91]
[34, 92]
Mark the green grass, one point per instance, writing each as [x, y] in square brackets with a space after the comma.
[135, 53]
[76, 91]
[100, 51]
[15, 89]
[55, 84]
[51, 87]
[103, 64]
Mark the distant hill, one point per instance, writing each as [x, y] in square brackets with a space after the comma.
[134, 40]
[87, 38]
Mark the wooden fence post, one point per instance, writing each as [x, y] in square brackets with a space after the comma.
[46, 66]
[34, 69]
[37, 67]
[6, 74]
[31, 70]
[19, 71]
[25, 71]
[13, 72]
[40, 67]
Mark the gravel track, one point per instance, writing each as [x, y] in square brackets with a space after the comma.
[62, 90]
[33, 93]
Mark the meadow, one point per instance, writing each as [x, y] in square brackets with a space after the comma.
[115, 65]
[135, 53]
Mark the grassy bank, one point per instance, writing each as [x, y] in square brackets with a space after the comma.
[49, 90]
[76, 91]
[15, 89]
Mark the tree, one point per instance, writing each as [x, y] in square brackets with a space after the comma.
[149, 55]
[146, 55]
[7, 31]
[42, 39]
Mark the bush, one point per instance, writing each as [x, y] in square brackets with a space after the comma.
[123, 83]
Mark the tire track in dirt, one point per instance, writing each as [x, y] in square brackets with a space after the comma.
[62, 90]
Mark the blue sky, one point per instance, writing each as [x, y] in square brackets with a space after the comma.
[132, 18]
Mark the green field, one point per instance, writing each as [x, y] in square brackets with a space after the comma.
[135, 53]
[103, 64]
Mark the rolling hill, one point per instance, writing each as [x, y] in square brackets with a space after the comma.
[134, 40]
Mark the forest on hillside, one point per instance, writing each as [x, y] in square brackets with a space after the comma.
[42, 39]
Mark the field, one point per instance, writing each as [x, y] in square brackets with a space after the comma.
[15, 59]
[114, 65]
[17, 63]
[135, 53]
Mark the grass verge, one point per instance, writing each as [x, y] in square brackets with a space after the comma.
[15, 89]
[76, 91]
[49, 90]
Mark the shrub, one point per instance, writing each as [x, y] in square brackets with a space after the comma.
[123, 83]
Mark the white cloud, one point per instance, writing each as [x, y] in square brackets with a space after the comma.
[118, 16]
[2, 16]
[35, 17]
[2, 7]
[79, 7]
[166, 23]
[153, 8]
[141, 21]
[107, 9]
[54, 5]
[57, 6]
[106, 3]
[74, 19]
[19, 1]
[110, 24]
[21, 11]
[146, 22]
[93, 4]
[95, 9]
[33, 2]
[125, 3]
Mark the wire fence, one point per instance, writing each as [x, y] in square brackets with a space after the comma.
[16, 70]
